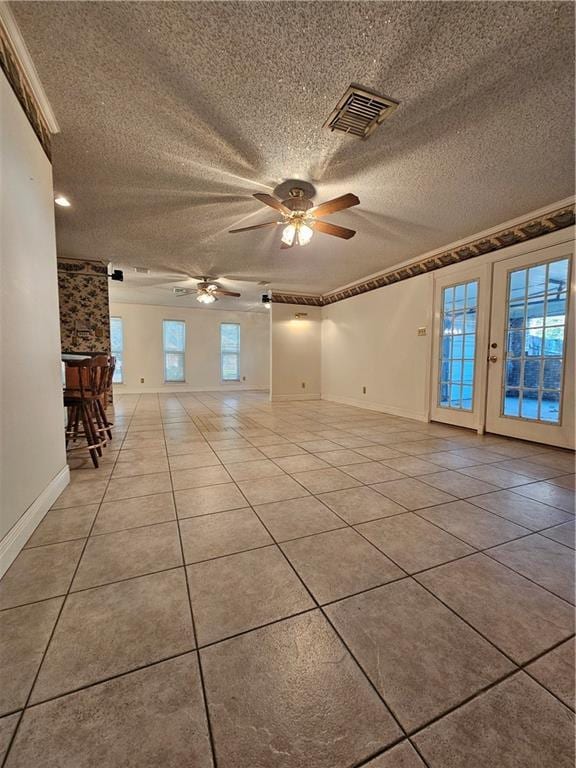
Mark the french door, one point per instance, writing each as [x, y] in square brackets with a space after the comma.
[503, 351]
[459, 367]
[530, 391]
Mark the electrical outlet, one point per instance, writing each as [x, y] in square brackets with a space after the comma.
[422, 331]
[141, 381]
[303, 385]
[363, 390]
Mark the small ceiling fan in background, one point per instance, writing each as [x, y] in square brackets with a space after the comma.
[207, 291]
[301, 218]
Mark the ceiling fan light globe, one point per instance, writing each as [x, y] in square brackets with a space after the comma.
[304, 234]
[289, 234]
[205, 298]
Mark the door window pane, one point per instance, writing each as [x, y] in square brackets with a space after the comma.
[536, 311]
[458, 346]
[174, 341]
[117, 348]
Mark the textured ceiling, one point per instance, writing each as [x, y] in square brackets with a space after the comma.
[172, 114]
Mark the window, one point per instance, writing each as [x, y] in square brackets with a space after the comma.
[458, 346]
[174, 334]
[230, 351]
[534, 357]
[117, 348]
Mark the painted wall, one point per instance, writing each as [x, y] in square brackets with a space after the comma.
[143, 352]
[84, 306]
[295, 358]
[32, 454]
[372, 341]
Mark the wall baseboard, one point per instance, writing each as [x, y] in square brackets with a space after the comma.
[287, 398]
[122, 389]
[370, 406]
[18, 535]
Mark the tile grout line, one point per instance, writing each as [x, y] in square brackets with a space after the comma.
[56, 622]
[193, 623]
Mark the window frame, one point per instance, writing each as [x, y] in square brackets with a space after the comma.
[118, 354]
[172, 352]
[237, 353]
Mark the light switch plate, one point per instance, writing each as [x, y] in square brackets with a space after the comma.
[422, 331]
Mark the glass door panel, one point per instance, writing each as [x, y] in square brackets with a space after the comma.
[527, 395]
[460, 320]
[458, 346]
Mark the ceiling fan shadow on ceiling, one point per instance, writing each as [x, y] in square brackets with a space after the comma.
[207, 291]
[301, 218]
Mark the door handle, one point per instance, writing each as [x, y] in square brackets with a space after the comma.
[492, 358]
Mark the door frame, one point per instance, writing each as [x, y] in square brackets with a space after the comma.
[561, 435]
[469, 419]
[452, 274]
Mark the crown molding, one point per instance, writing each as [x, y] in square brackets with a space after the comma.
[534, 225]
[27, 68]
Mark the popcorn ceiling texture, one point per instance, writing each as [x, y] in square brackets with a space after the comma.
[172, 114]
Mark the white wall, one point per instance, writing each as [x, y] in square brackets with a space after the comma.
[33, 467]
[143, 353]
[295, 358]
[372, 340]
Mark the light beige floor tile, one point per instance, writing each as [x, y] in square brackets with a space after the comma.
[223, 533]
[519, 617]
[146, 718]
[412, 543]
[243, 591]
[63, 525]
[24, 635]
[541, 560]
[205, 501]
[539, 735]
[133, 513]
[40, 573]
[339, 563]
[115, 629]
[249, 710]
[266, 490]
[358, 505]
[125, 554]
[421, 657]
[144, 485]
[293, 518]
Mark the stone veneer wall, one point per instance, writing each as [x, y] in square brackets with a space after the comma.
[83, 292]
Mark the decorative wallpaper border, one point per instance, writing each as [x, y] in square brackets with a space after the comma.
[20, 85]
[78, 267]
[527, 230]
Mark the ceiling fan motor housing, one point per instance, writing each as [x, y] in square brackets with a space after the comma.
[297, 201]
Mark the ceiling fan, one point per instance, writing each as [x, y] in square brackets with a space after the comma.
[301, 218]
[207, 291]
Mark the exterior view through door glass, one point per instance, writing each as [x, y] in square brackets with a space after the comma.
[534, 355]
[458, 346]
[531, 376]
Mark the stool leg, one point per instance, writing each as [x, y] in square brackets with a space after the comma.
[89, 432]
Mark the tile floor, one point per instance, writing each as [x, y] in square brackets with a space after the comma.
[298, 585]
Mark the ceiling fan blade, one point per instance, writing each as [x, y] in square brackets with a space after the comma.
[337, 204]
[221, 292]
[271, 201]
[256, 226]
[332, 229]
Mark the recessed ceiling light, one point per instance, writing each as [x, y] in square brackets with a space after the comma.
[63, 201]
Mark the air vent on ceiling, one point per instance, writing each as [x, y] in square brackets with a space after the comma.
[359, 112]
[141, 270]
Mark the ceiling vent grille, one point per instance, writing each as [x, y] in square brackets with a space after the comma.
[359, 112]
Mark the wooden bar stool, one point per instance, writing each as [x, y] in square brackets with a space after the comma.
[84, 386]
